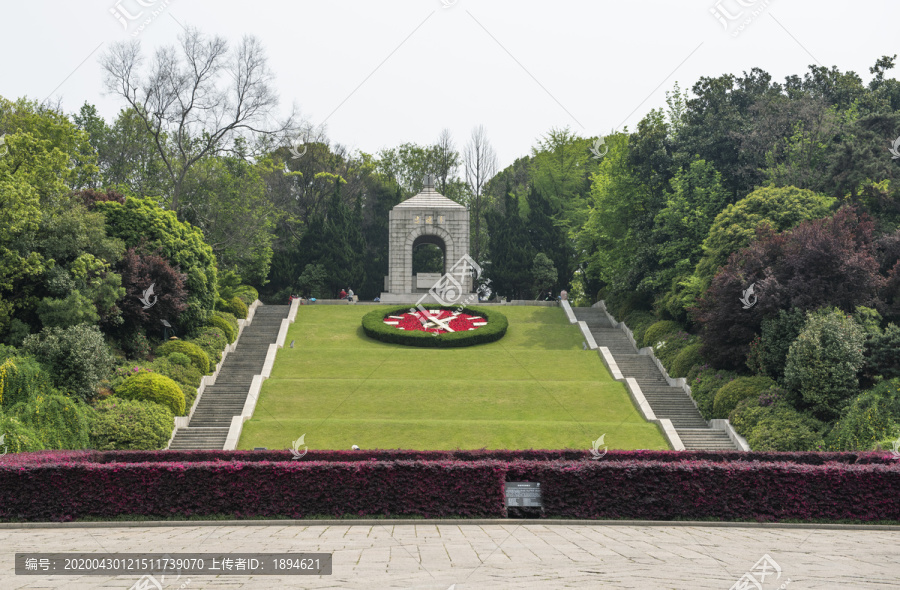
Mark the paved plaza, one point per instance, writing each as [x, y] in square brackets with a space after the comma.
[489, 555]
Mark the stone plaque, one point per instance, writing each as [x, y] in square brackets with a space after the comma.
[523, 494]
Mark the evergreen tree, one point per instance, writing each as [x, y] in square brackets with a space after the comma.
[548, 237]
[511, 253]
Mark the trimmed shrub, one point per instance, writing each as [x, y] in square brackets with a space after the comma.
[776, 428]
[634, 488]
[746, 416]
[704, 388]
[375, 328]
[731, 394]
[21, 378]
[235, 307]
[56, 419]
[179, 358]
[222, 324]
[123, 372]
[153, 388]
[871, 417]
[198, 357]
[128, 424]
[332, 456]
[638, 321]
[688, 358]
[668, 349]
[768, 352]
[823, 362]
[190, 394]
[188, 375]
[658, 331]
[212, 341]
[786, 430]
[695, 372]
[78, 357]
[228, 317]
[247, 294]
[17, 437]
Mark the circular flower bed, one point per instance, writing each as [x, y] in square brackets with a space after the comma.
[436, 327]
[436, 321]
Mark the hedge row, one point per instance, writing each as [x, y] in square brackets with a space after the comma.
[375, 328]
[625, 489]
[242, 489]
[332, 456]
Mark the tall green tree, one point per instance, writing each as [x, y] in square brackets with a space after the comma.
[617, 238]
[697, 197]
[511, 254]
[548, 236]
[226, 198]
[142, 222]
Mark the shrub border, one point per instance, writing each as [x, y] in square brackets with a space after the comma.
[375, 328]
[654, 485]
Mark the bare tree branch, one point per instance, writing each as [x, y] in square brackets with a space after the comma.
[480, 161]
[195, 100]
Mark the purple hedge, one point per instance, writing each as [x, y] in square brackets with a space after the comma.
[804, 458]
[651, 485]
[655, 490]
[295, 489]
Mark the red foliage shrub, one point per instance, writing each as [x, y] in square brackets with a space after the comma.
[89, 197]
[651, 485]
[139, 271]
[819, 263]
[475, 455]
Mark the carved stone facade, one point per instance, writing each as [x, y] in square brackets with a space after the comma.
[427, 218]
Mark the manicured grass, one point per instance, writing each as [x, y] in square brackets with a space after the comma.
[535, 388]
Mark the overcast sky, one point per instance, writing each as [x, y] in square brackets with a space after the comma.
[382, 73]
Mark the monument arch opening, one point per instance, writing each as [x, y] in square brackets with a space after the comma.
[429, 255]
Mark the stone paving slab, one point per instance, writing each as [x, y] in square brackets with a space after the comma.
[469, 556]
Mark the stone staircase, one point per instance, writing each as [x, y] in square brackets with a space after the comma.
[666, 401]
[208, 427]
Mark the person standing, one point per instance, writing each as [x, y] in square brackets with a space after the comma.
[350, 295]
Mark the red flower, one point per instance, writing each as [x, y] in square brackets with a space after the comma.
[425, 322]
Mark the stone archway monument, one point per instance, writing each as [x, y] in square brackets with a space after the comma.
[429, 218]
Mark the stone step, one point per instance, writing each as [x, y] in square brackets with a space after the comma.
[220, 390]
[239, 361]
[678, 423]
[218, 406]
[237, 377]
[705, 439]
[243, 364]
[208, 427]
[213, 404]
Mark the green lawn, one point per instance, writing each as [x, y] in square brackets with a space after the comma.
[534, 388]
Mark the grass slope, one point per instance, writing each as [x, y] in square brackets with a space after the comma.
[535, 388]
